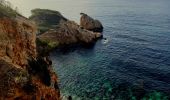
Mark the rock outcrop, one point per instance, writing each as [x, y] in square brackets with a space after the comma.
[24, 75]
[90, 24]
[65, 32]
[68, 33]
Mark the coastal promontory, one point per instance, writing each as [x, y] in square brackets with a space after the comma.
[26, 71]
[62, 31]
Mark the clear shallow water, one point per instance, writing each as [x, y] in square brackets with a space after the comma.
[137, 50]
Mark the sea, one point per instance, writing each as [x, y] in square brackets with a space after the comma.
[132, 60]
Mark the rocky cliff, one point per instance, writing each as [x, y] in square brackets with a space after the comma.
[24, 75]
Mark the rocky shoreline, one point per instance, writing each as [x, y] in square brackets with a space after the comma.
[25, 66]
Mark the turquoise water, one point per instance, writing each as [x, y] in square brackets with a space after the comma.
[136, 53]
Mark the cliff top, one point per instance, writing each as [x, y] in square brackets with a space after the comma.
[46, 19]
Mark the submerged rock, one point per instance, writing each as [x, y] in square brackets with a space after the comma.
[90, 24]
[105, 41]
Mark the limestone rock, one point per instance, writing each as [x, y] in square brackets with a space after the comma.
[90, 24]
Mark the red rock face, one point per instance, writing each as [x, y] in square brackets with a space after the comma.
[17, 41]
[19, 79]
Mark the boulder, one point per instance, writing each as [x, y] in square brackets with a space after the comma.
[90, 24]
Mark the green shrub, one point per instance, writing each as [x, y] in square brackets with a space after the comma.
[47, 43]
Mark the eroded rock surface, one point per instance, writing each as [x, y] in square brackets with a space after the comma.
[17, 40]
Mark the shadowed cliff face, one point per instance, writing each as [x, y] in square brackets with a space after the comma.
[23, 74]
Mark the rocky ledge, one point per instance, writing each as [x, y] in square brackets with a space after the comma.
[64, 31]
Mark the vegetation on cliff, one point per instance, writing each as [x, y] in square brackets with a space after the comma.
[46, 19]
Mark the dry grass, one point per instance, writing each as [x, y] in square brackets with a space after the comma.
[7, 10]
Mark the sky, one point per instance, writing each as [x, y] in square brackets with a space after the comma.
[66, 7]
[71, 9]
